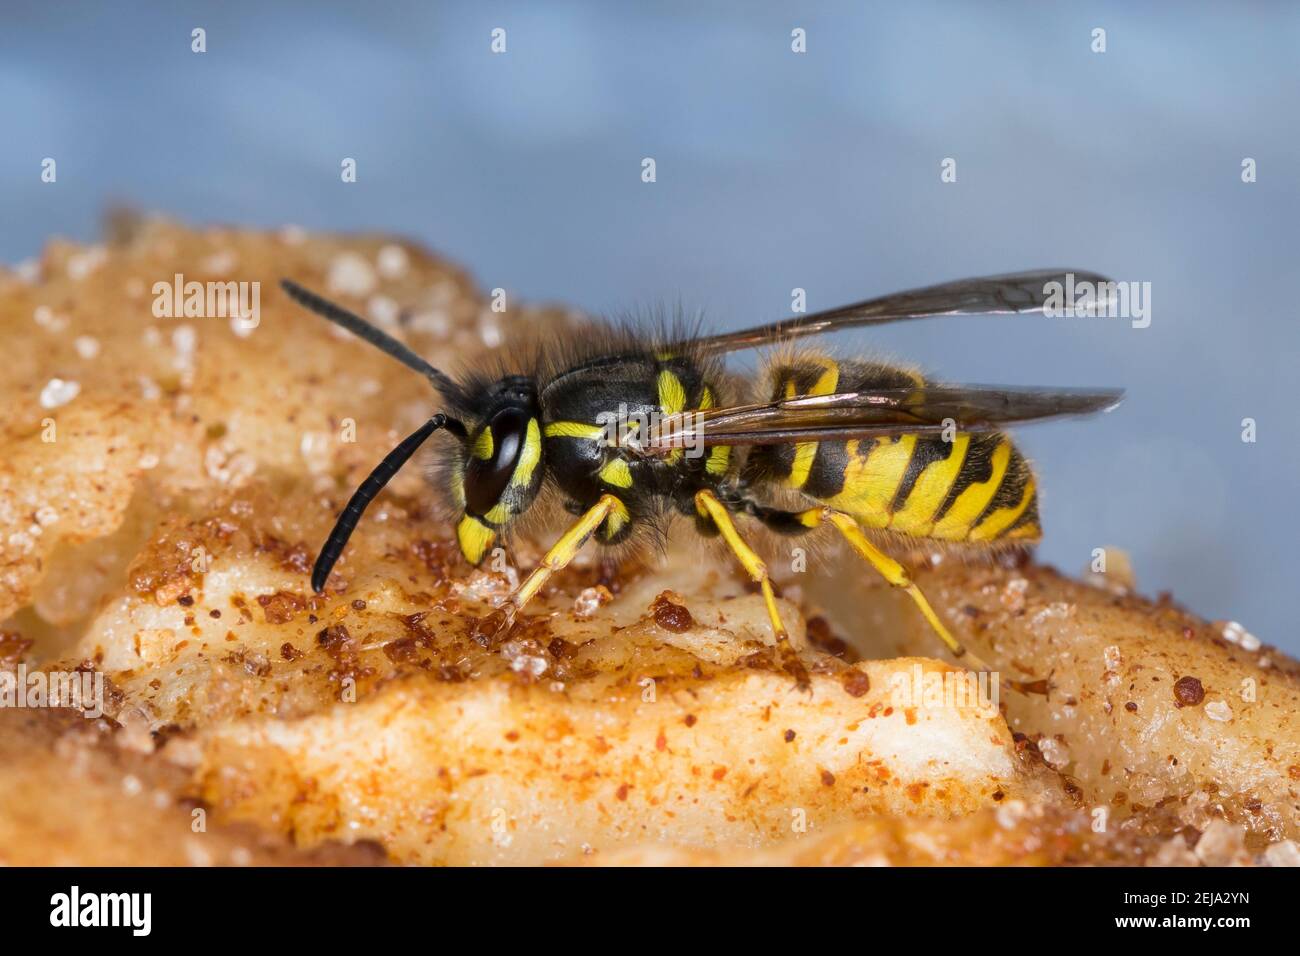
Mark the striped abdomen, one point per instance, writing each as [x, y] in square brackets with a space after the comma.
[975, 488]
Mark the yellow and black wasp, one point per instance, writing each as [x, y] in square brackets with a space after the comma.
[873, 450]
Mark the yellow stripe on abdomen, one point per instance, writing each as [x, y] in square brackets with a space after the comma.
[806, 451]
[871, 482]
[970, 504]
[719, 460]
[916, 516]
[999, 521]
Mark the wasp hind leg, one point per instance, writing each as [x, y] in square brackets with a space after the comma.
[495, 625]
[707, 504]
[897, 575]
[889, 569]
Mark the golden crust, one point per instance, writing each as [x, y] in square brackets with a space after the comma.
[74, 793]
[1141, 704]
[164, 536]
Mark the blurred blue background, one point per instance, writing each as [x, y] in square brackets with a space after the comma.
[775, 170]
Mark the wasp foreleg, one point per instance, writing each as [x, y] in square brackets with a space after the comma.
[556, 559]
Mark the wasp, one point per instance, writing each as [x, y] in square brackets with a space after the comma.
[873, 450]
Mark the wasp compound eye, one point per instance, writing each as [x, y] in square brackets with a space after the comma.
[493, 455]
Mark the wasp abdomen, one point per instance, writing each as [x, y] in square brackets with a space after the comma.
[966, 487]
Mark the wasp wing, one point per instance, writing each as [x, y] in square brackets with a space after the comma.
[1012, 293]
[889, 411]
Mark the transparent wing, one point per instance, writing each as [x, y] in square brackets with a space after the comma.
[1012, 293]
[890, 411]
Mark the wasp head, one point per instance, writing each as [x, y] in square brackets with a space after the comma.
[500, 469]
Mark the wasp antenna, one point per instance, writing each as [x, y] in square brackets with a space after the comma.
[369, 333]
[366, 492]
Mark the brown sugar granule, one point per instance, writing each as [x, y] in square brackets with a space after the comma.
[401, 650]
[671, 616]
[1188, 692]
[856, 682]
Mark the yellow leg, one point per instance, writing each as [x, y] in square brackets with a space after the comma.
[707, 503]
[556, 559]
[891, 571]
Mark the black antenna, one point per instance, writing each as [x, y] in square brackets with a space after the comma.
[361, 498]
[370, 333]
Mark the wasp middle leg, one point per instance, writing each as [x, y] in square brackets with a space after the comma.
[796, 522]
[708, 505]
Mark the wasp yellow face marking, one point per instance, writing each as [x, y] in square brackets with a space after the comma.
[970, 504]
[516, 494]
[528, 457]
[474, 537]
[458, 485]
[672, 397]
[706, 399]
[616, 472]
[930, 490]
[482, 447]
[870, 483]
